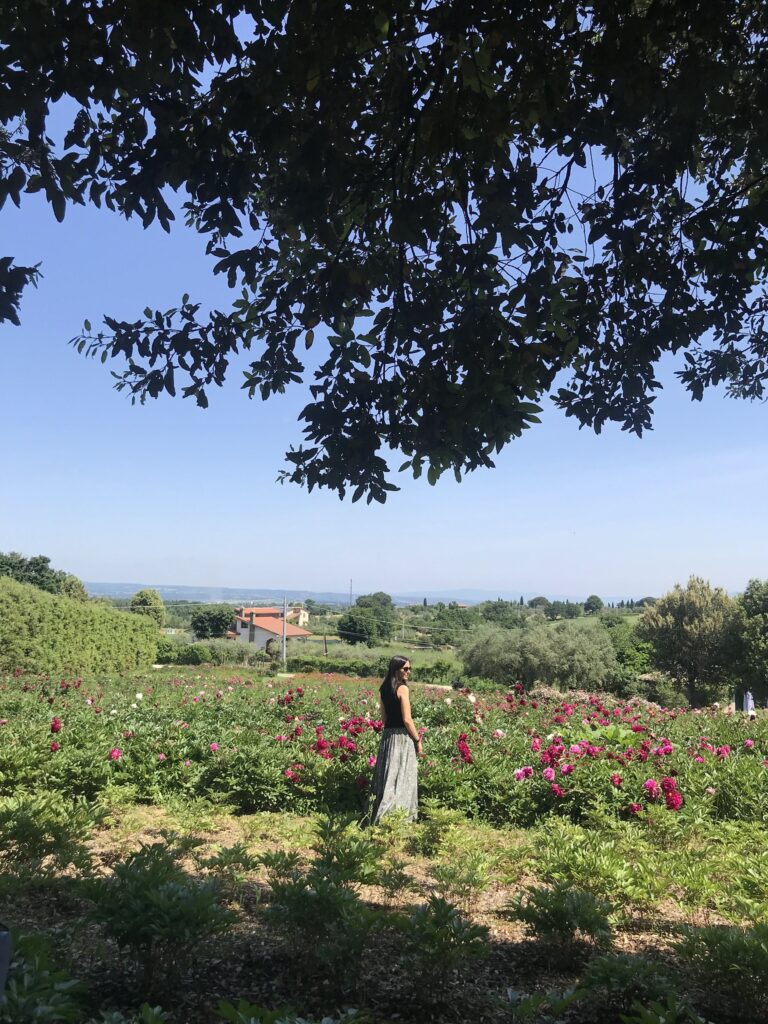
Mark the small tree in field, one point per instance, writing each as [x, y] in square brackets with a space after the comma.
[149, 602]
[593, 604]
[695, 633]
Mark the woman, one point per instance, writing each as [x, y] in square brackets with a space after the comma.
[394, 781]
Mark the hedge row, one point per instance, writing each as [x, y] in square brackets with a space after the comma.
[40, 632]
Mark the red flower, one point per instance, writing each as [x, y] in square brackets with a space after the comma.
[55, 746]
[55, 725]
[616, 780]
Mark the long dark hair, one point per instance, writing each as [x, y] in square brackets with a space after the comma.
[390, 679]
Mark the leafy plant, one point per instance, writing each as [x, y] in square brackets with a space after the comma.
[42, 835]
[463, 878]
[621, 979]
[36, 990]
[675, 1010]
[153, 909]
[730, 958]
[540, 1006]
[561, 916]
[438, 940]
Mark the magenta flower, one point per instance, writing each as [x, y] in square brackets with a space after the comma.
[214, 747]
[115, 754]
[535, 744]
[557, 790]
[651, 787]
[187, 763]
[668, 785]
[372, 761]
[566, 769]
[549, 774]
[674, 800]
[55, 725]
[161, 757]
[55, 746]
[749, 744]
[616, 780]
[634, 808]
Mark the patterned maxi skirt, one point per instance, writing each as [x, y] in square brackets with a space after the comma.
[394, 780]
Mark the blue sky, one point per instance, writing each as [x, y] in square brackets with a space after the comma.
[169, 493]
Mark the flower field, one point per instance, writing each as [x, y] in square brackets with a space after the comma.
[309, 743]
[194, 840]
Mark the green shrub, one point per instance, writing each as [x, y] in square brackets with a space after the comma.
[154, 910]
[621, 980]
[732, 959]
[42, 835]
[40, 632]
[438, 940]
[561, 916]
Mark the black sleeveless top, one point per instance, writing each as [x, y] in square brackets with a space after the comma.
[393, 713]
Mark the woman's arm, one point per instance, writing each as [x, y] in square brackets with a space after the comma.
[405, 708]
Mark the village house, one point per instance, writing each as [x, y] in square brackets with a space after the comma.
[258, 625]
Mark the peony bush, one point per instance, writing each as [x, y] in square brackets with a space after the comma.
[311, 742]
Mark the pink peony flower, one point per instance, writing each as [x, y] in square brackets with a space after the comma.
[161, 757]
[55, 746]
[710, 790]
[55, 725]
[556, 790]
[187, 763]
[498, 734]
[749, 744]
[634, 808]
[115, 754]
[535, 744]
[372, 761]
[674, 800]
[566, 769]
[651, 787]
[214, 747]
[616, 780]
[549, 774]
[668, 785]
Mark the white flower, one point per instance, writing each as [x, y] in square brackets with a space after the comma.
[139, 696]
[113, 711]
[134, 705]
[471, 698]
[448, 701]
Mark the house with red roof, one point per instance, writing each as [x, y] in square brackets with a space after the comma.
[258, 625]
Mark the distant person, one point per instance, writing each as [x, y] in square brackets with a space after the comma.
[395, 784]
[749, 704]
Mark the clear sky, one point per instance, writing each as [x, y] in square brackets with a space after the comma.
[168, 493]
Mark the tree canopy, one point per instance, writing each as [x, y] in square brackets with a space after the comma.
[148, 602]
[467, 206]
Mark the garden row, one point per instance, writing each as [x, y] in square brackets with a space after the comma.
[311, 743]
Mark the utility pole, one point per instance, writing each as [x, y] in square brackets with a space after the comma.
[402, 616]
[285, 613]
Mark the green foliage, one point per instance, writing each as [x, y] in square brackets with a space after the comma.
[35, 572]
[540, 1006]
[562, 655]
[461, 879]
[593, 604]
[246, 1013]
[74, 588]
[410, 255]
[732, 959]
[674, 1010]
[437, 940]
[40, 632]
[36, 991]
[42, 835]
[212, 622]
[147, 1015]
[694, 632]
[148, 602]
[754, 637]
[621, 979]
[562, 915]
[154, 910]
